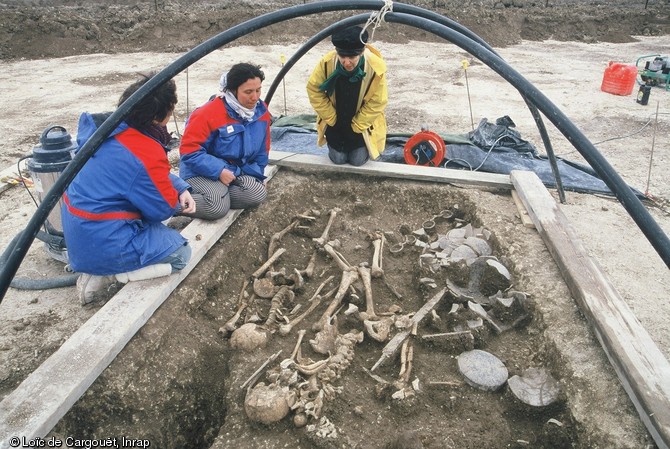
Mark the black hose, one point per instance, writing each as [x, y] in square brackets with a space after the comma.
[38, 284]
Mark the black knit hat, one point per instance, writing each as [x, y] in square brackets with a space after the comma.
[349, 41]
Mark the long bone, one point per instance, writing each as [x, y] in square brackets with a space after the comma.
[366, 277]
[337, 257]
[406, 359]
[277, 236]
[315, 300]
[231, 324]
[348, 278]
[296, 349]
[377, 257]
[254, 377]
[308, 272]
[324, 237]
[285, 329]
[261, 270]
[392, 347]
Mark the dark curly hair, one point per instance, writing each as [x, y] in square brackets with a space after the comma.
[156, 106]
[241, 73]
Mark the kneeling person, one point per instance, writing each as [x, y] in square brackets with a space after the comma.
[114, 208]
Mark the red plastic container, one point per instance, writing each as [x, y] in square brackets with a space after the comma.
[619, 79]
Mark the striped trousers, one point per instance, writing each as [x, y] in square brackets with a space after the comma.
[213, 199]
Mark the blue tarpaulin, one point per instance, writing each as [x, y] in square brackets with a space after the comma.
[492, 148]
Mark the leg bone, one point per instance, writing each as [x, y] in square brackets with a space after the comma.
[324, 237]
[365, 275]
[377, 270]
[348, 278]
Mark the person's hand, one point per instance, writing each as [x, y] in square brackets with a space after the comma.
[226, 176]
[187, 202]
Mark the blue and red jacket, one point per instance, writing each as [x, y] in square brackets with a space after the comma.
[216, 137]
[113, 209]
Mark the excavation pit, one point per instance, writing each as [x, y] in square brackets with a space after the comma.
[179, 384]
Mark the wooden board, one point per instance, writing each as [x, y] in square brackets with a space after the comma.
[44, 397]
[523, 213]
[393, 170]
[641, 366]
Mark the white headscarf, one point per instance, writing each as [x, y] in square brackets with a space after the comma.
[246, 113]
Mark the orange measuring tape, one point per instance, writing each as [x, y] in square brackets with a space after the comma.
[425, 148]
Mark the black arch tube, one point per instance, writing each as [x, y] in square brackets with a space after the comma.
[649, 227]
[419, 12]
[15, 254]
[307, 46]
[612, 179]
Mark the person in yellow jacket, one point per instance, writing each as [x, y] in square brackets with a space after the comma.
[347, 90]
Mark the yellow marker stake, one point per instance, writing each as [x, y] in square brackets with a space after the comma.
[465, 65]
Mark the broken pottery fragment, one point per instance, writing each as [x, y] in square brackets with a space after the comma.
[463, 252]
[457, 234]
[515, 309]
[479, 245]
[482, 370]
[495, 277]
[479, 310]
[535, 387]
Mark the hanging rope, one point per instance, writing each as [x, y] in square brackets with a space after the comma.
[376, 18]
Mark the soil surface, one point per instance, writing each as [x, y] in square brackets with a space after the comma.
[64, 28]
[178, 383]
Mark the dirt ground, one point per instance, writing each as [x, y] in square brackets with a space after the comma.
[178, 382]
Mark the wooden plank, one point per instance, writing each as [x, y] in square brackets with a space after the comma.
[641, 366]
[523, 213]
[393, 170]
[43, 398]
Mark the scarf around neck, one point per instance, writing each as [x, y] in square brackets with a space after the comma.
[159, 132]
[356, 75]
[245, 113]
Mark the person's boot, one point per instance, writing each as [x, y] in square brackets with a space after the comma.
[92, 288]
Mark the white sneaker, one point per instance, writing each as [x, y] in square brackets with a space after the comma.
[92, 288]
